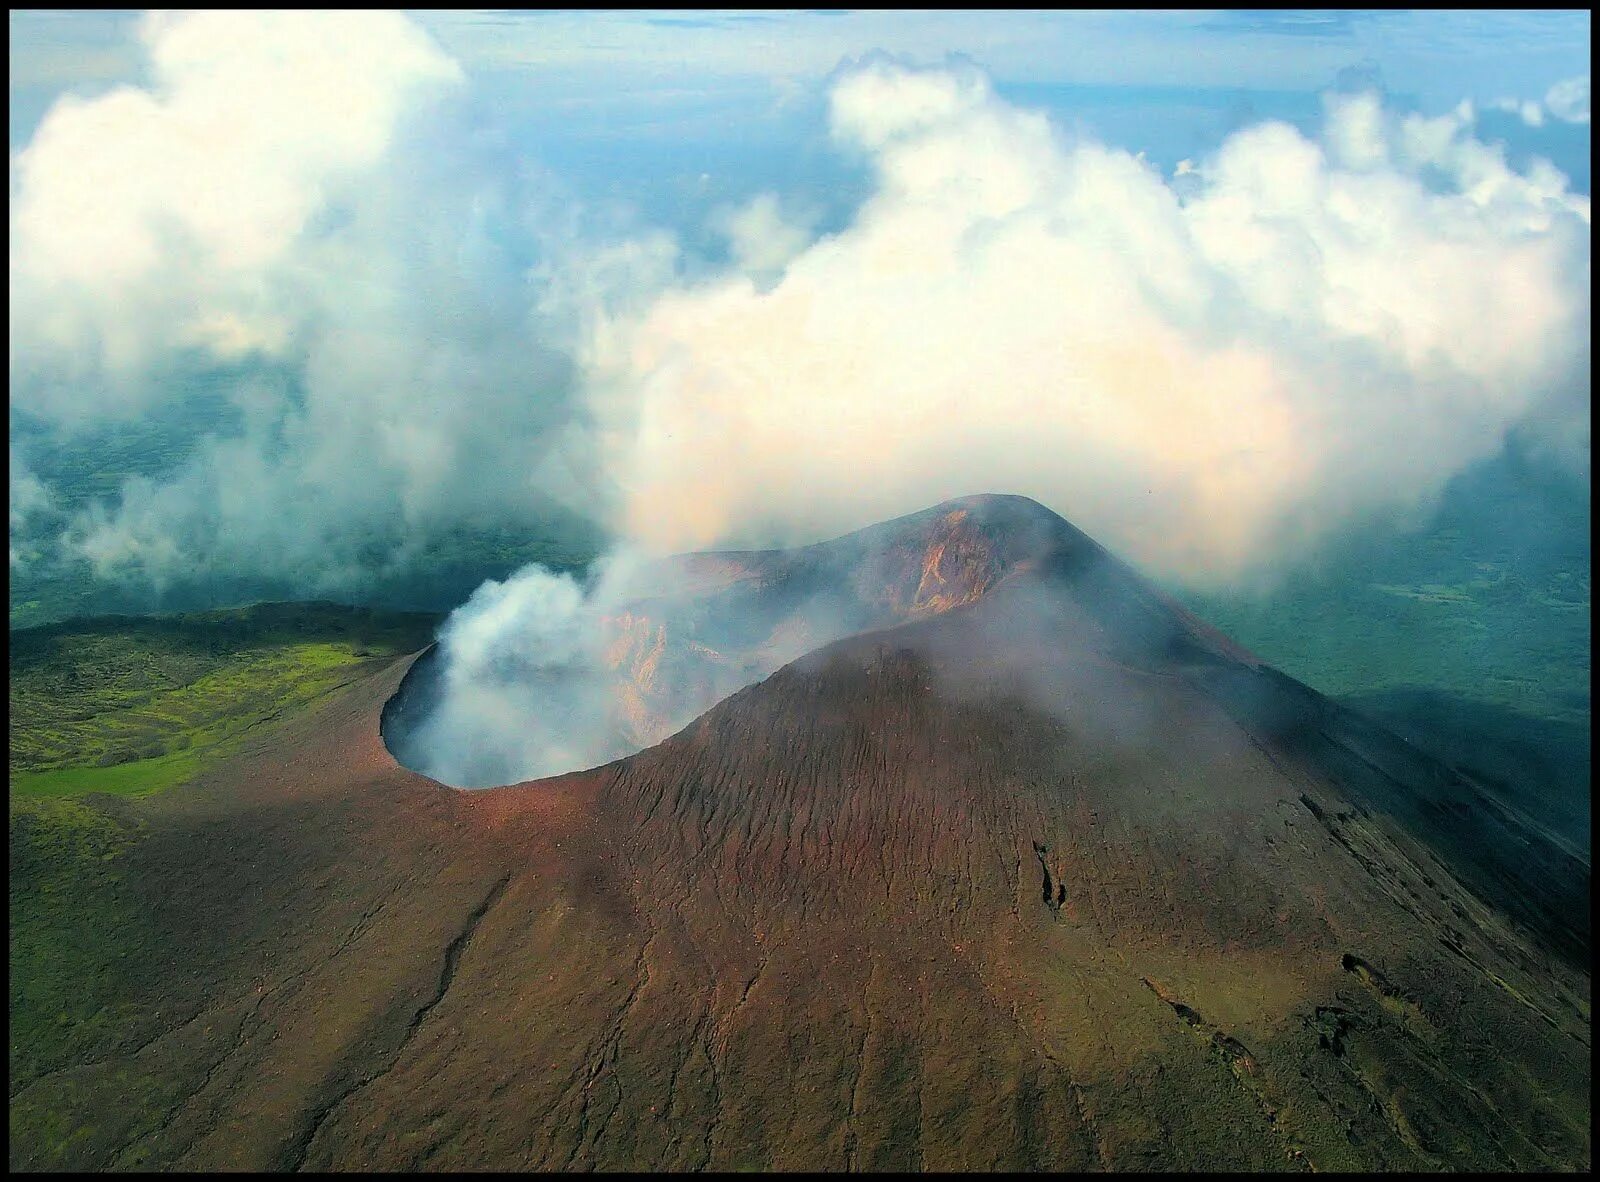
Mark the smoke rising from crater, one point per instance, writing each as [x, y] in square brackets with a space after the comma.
[543, 673]
[522, 687]
[1211, 374]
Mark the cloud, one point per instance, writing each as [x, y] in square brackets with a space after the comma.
[1569, 100]
[1318, 330]
[412, 330]
[166, 217]
[1528, 110]
[760, 238]
[1313, 331]
[409, 331]
[29, 498]
[300, 215]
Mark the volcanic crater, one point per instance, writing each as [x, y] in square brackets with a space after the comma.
[697, 627]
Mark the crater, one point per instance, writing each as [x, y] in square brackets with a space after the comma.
[539, 675]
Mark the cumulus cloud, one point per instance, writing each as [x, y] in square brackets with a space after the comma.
[1530, 111]
[29, 497]
[300, 210]
[761, 239]
[409, 330]
[1569, 100]
[154, 218]
[1318, 329]
[1209, 371]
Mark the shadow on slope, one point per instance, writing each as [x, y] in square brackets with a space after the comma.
[1540, 765]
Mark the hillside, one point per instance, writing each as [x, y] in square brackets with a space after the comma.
[1046, 875]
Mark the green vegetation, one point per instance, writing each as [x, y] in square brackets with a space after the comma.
[132, 706]
[71, 923]
[433, 571]
[1507, 751]
[138, 778]
[81, 937]
[1506, 644]
[1487, 601]
[92, 463]
[1487, 674]
[439, 576]
[1471, 638]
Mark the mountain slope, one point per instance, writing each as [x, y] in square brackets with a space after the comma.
[1045, 875]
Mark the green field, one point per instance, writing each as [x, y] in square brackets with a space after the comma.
[131, 706]
[1506, 642]
[1488, 603]
[71, 923]
[1470, 639]
[440, 574]
[392, 565]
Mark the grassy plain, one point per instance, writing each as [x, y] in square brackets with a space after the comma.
[1506, 644]
[130, 706]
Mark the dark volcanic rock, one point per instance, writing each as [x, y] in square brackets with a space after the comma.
[1045, 874]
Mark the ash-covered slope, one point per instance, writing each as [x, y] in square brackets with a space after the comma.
[1046, 875]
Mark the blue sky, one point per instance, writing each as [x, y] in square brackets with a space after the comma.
[671, 116]
[667, 107]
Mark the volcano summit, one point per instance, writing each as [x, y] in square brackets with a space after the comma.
[1003, 861]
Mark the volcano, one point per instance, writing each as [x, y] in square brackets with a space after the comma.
[1024, 867]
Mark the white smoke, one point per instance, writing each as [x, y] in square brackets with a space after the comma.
[520, 694]
[543, 674]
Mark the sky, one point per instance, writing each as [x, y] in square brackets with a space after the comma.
[1216, 286]
[733, 90]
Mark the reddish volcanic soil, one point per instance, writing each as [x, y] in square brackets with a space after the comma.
[1048, 876]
